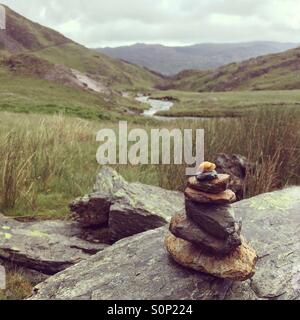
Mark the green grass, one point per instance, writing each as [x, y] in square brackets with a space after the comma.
[32, 95]
[35, 39]
[18, 287]
[114, 73]
[47, 161]
[227, 104]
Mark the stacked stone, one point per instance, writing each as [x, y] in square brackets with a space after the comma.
[207, 237]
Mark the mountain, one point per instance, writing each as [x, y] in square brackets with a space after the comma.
[172, 60]
[42, 71]
[279, 71]
[25, 37]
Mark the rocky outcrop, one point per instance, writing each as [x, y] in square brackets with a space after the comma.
[126, 208]
[140, 268]
[47, 246]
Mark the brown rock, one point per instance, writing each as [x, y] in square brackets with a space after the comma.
[183, 227]
[214, 186]
[224, 197]
[237, 266]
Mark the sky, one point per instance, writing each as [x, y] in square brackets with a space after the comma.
[99, 23]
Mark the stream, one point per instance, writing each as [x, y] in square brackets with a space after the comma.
[156, 106]
[160, 105]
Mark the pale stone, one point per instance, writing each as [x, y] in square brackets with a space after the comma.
[238, 265]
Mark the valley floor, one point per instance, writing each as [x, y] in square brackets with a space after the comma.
[226, 104]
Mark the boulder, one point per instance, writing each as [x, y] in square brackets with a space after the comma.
[183, 227]
[140, 268]
[126, 208]
[213, 186]
[224, 197]
[238, 265]
[141, 207]
[46, 246]
[92, 210]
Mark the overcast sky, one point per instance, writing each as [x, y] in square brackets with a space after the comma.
[97, 23]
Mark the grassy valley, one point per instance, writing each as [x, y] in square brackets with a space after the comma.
[49, 119]
[36, 74]
[48, 122]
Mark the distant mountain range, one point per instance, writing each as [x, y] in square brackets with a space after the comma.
[172, 60]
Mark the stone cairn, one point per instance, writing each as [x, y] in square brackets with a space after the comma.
[207, 238]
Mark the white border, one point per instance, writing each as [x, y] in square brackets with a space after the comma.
[2, 278]
[2, 17]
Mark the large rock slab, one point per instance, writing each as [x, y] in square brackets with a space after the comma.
[272, 222]
[126, 208]
[140, 268]
[136, 268]
[47, 246]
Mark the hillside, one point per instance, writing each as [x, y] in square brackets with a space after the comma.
[271, 72]
[23, 36]
[172, 60]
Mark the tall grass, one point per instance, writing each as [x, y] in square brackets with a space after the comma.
[270, 140]
[46, 161]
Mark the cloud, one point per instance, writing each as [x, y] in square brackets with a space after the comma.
[116, 22]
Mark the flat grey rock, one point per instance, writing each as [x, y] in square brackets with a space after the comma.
[46, 246]
[271, 222]
[139, 267]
